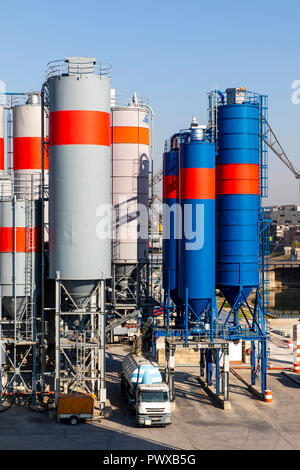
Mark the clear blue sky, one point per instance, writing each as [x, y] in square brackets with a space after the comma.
[174, 52]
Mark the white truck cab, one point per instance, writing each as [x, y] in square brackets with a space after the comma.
[144, 390]
[153, 405]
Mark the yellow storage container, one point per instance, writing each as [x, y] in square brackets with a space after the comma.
[75, 404]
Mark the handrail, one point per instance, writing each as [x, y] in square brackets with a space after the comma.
[63, 67]
[126, 101]
[223, 99]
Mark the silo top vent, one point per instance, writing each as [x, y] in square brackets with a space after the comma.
[78, 66]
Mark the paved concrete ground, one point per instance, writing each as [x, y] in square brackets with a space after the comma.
[198, 423]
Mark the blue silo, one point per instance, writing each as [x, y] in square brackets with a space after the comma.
[196, 257]
[170, 199]
[237, 196]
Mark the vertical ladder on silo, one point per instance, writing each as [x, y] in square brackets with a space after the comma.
[263, 130]
[263, 191]
[30, 242]
[213, 115]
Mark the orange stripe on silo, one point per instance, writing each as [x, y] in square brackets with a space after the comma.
[197, 183]
[1, 153]
[237, 179]
[7, 239]
[24, 237]
[27, 154]
[237, 171]
[79, 128]
[237, 187]
[170, 186]
[130, 135]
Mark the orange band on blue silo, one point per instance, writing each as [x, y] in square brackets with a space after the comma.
[237, 171]
[237, 178]
[197, 183]
[79, 128]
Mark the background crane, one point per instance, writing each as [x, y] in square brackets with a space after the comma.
[273, 143]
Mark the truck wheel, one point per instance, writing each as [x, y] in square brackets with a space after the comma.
[74, 420]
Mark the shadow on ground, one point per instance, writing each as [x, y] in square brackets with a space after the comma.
[23, 429]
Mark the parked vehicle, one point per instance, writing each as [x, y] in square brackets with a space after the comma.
[143, 388]
[74, 407]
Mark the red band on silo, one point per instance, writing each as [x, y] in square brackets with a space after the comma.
[130, 135]
[170, 186]
[238, 171]
[27, 240]
[238, 187]
[1, 153]
[79, 128]
[197, 183]
[239, 178]
[27, 154]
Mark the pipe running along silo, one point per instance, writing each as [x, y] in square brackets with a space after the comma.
[79, 175]
[237, 199]
[196, 269]
[130, 192]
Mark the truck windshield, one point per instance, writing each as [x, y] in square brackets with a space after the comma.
[154, 396]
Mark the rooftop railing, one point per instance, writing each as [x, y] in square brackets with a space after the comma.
[77, 67]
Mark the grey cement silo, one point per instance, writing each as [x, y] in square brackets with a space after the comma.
[79, 174]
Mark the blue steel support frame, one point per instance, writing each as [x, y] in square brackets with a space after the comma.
[209, 366]
[217, 362]
[253, 363]
[168, 304]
